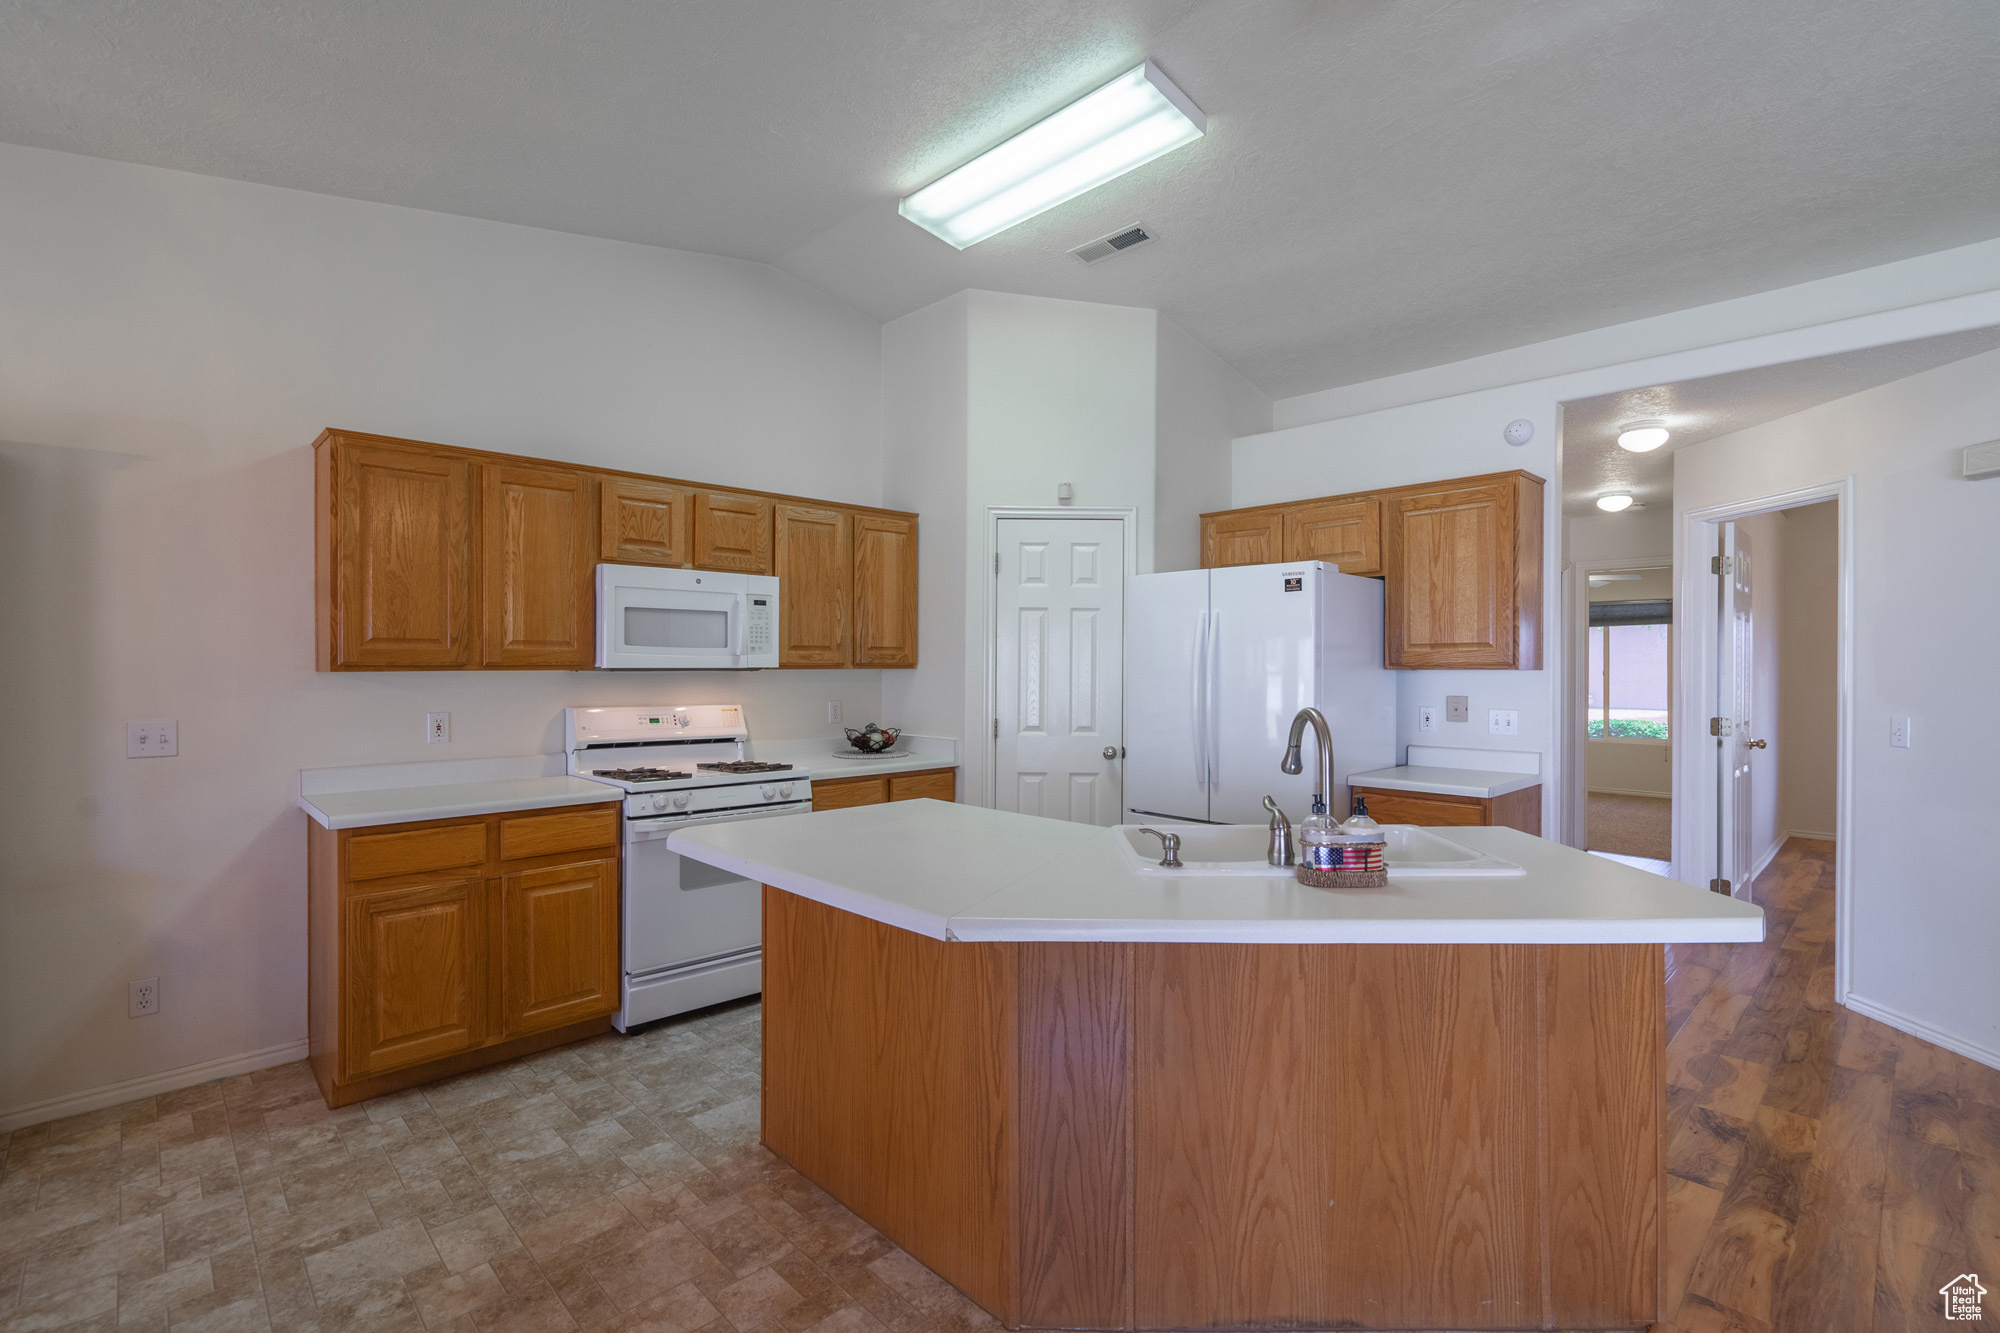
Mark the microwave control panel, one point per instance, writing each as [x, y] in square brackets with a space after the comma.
[759, 625]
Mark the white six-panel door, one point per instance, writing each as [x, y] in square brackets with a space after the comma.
[1734, 853]
[1059, 668]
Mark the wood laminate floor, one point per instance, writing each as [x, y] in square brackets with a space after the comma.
[1826, 1174]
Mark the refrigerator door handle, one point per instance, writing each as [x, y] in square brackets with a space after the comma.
[1198, 704]
[1211, 709]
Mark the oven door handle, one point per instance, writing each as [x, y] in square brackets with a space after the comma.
[652, 830]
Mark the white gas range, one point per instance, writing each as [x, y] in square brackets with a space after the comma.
[693, 934]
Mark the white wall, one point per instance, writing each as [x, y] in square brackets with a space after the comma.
[1201, 405]
[169, 347]
[1924, 911]
[1808, 684]
[1636, 534]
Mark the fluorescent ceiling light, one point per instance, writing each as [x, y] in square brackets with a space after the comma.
[1643, 439]
[1614, 502]
[1131, 120]
[1599, 580]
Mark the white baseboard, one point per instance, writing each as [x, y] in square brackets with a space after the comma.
[1765, 857]
[1629, 791]
[1806, 833]
[149, 1085]
[1882, 1013]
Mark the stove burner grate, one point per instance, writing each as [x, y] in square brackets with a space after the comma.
[641, 774]
[743, 766]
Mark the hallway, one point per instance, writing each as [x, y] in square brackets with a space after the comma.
[1826, 1174]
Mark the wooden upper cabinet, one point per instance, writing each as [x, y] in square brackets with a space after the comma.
[644, 523]
[732, 532]
[413, 978]
[395, 567]
[1342, 532]
[1462, 562]
[538, 541]
[559, 944]
[1242, 537]
[885, 591]
[815, 586]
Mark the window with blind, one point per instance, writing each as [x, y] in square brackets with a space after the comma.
[1631, 670]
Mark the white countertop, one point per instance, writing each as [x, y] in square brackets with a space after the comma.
[969, 873]
[367, 795]
[1445, 781]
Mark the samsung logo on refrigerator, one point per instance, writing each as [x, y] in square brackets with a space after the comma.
[1295, 583]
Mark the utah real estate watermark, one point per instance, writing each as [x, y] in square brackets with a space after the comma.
[1962, 1297]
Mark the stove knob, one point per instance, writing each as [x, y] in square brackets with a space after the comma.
[680, 801]
[660, 802]
[785, 790]
[770, 793]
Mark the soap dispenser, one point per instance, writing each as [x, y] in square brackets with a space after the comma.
[1342, 856]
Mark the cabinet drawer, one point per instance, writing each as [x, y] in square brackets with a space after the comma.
[558, 831]
[911, 786]
[373, 855]
[850, 791]
[1403, 807]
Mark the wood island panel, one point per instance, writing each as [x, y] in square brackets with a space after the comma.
[1190, 1136]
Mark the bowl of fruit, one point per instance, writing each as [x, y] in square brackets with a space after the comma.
[872, 739]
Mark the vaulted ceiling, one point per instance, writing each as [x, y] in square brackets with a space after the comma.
[1386, 184]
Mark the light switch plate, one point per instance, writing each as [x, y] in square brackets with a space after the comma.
[437, 728]
[151, 740]
[1899, 731]
[1504, 722]
[1455, 708]
[1427, 718]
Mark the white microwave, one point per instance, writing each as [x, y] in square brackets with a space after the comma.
[652, 619]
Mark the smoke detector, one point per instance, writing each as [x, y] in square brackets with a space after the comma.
[1104, 247]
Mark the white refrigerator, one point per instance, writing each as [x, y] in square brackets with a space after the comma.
[1217, 662]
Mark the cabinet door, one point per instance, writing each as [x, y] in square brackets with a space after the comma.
[413, 975]
[732, 532]
[1402, 807]
[399, 591]
[914, 786]
[1242, 537]
[815, 585]
[537, 558]
[1347, 533]
[1462, 573]
[643, 523]
[559, 943]
[885, 591]
[838, 795]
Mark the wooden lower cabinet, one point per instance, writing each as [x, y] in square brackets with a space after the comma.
[939, 784]
[1218, 1136]
[1515, 809]
[441, 946]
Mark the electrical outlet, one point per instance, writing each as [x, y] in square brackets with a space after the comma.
[1504, 722]
[1427, 718]
[833, 712]
[1899, 732]
[142, 997]
[151, 740]
[1456, 708]
[437, 728]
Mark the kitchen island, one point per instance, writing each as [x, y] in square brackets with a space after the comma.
[1096, 1097]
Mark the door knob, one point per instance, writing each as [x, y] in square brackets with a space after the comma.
[1110, 752]
[1755, 745]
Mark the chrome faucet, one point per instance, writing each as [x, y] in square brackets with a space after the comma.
[1323, 798]
[1170, 848]
[1280, 853]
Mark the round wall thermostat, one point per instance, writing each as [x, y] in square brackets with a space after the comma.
[1519, 431]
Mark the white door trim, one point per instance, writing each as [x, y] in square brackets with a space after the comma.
[1574, 827]
[1697, 597]
[981, 754]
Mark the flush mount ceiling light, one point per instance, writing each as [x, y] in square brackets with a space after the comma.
[1615, 502]
[1131, 120]
[1643, 439]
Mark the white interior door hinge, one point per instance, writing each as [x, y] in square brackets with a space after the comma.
[996, 564]
[1720, 726]
[1720, 564]
[996, 728]
[1718, 886]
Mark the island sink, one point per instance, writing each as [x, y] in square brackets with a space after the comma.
[1239, 849]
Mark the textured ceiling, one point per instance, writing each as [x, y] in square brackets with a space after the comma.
[1386, 184]
[1697, 410]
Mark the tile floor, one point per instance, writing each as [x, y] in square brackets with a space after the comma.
[613, 1184]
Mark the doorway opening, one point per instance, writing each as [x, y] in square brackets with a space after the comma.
[1628, 712]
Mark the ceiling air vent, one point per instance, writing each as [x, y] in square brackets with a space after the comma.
[1106, 246]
